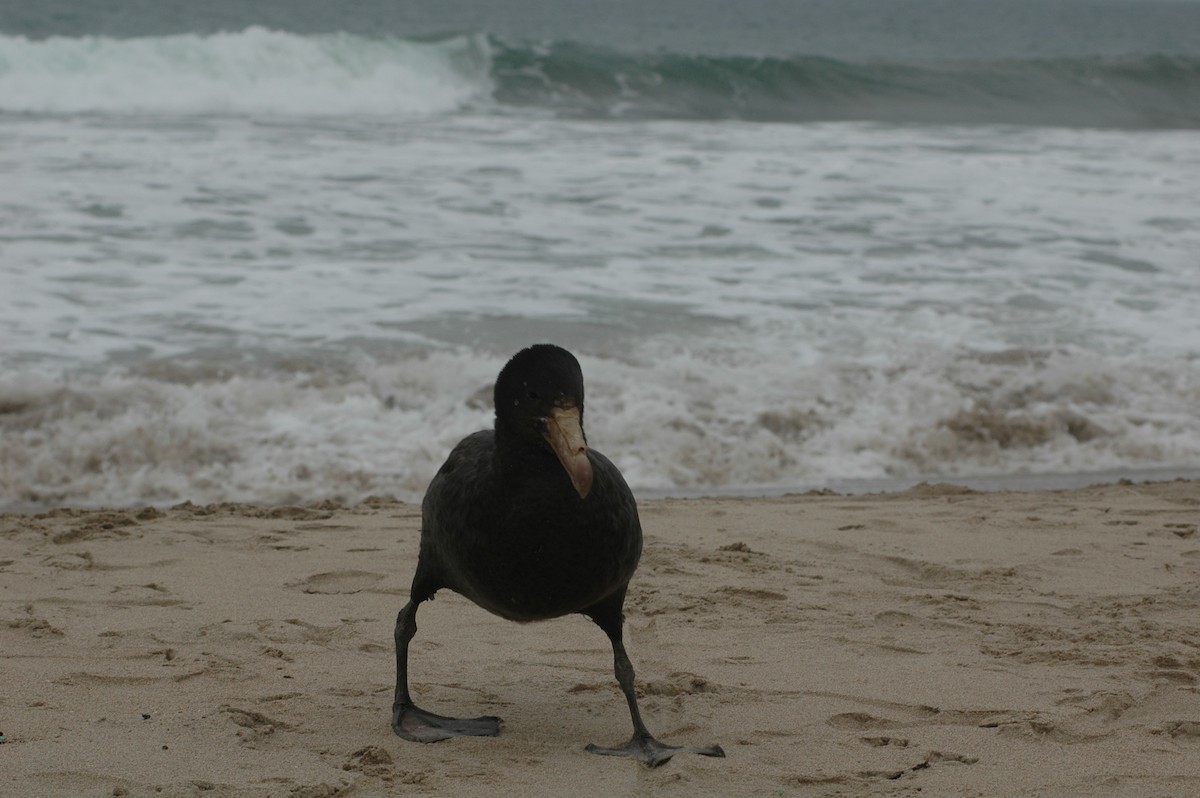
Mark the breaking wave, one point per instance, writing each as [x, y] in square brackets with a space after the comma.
[672, 419]
[263, 71]
[252, 71]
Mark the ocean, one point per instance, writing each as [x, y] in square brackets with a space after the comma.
[278, 251]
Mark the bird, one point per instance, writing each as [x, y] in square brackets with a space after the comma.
[530, 523]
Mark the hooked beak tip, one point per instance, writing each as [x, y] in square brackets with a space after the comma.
[564, 433]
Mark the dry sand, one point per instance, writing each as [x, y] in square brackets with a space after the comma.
[935, 642]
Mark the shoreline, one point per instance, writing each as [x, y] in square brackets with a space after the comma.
[941, 639]
[1022, 483]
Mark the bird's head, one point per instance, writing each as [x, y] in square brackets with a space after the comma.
[539, 399]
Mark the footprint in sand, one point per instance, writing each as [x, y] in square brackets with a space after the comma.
[929, 760]
[1182, 730]
[35, 627]
[372, 760]
[884, 741]
[253, 726]
[375, 761]
[1182, 530]
[321, 790]
[679, 683]
[861, 720]
[334, 582]
[754, 594]
[919, 716]
[71, 561]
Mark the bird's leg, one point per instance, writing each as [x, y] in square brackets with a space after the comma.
[642, 746]
[410, 721]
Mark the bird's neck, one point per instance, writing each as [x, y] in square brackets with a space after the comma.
[520, 458]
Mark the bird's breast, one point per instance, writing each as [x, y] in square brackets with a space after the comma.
[547, 572]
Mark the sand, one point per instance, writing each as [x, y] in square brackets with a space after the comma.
[936, 642]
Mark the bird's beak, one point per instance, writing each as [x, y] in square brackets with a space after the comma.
[564, 433]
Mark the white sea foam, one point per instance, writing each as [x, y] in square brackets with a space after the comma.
[251, 71]
[847, 240]
[255, 308]
[169, 433]
[671, 416]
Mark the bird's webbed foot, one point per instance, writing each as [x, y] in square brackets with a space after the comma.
[413, 723]
[652, 753]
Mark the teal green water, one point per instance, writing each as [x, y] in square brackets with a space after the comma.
[1084, 63]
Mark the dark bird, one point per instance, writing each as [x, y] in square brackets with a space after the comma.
[530, 524]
